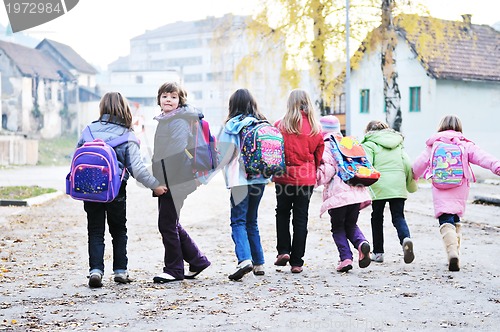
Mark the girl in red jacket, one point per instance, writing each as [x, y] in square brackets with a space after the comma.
[303, 152]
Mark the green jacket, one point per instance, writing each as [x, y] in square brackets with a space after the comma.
[384, 148]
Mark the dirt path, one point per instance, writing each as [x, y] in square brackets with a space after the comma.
[43, 269]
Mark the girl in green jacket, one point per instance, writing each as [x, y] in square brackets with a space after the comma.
[384, 149]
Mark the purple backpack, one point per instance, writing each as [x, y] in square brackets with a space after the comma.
[94, 174]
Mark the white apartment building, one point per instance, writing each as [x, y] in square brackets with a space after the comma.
[207, 57]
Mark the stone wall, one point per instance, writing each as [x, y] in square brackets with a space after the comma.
[17, 150]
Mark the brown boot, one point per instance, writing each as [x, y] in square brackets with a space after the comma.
[450, 239]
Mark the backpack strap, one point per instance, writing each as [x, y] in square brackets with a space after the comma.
[128, 136]
[87, 135]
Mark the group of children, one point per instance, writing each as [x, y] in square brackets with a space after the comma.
[309, 163]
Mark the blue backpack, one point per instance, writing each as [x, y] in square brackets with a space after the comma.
[94, 174]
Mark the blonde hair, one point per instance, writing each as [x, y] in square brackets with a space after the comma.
[376, 125]
[116, 105]
[170, 87]
[292, 121]
[450, 122]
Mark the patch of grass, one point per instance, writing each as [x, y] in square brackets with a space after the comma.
[23, 192]
[56, 151]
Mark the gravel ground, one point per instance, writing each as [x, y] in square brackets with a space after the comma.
[43, 273]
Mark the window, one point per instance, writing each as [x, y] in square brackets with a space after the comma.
[139, 79]
[364, 103]
[198, 95]
[415, 99]
[183, 44]
[188, 61]
[154, 48]
[193, 78]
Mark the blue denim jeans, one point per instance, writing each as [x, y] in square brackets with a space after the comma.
[245, 202]
[448, 218]
[116, 214]
[396, 206]
[292, 199]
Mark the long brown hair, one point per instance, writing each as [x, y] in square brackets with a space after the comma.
[116, 105]
[243, 103]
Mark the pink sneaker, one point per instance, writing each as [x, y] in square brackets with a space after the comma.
[344, 265]
[282, 259]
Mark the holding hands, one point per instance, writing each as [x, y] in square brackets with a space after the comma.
[160, 190]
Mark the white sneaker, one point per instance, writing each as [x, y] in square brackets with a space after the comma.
[122, 278]
[243, 268]
[258, 270]
[377, 257]
[408, 255]
[95, 280]
[163, 278]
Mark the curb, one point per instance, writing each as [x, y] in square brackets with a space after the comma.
[491, 199]
[33, 201]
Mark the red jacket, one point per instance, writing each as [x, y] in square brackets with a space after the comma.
[303, 155]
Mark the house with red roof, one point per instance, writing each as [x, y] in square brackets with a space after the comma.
[443, 67]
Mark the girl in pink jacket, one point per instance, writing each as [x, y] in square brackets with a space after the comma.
[343, 203]
[449, 204]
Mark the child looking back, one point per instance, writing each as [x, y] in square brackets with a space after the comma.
[449, 204]
[343, 203]
[172, 167]
[303, 151]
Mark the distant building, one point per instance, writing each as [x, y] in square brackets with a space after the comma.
[205, 55]
[44, 88]
[80, 86]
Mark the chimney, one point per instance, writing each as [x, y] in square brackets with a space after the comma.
[467, 18]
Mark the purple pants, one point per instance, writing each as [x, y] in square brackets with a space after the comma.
[345, 228]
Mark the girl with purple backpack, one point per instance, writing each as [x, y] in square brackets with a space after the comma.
[115, 120]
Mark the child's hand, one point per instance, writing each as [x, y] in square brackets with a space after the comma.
[160, 190]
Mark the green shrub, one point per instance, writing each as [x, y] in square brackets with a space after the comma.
[23, 192]
[57, 151]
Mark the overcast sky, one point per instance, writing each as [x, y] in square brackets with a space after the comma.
[100, 30]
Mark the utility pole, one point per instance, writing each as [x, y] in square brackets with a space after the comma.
[347, 84]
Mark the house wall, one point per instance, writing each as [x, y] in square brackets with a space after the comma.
[26, 105]
[477, 104]
[474, 102]
[50, 108]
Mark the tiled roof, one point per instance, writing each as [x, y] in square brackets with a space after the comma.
[71, 56]
[31, 62]
[455, 50]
